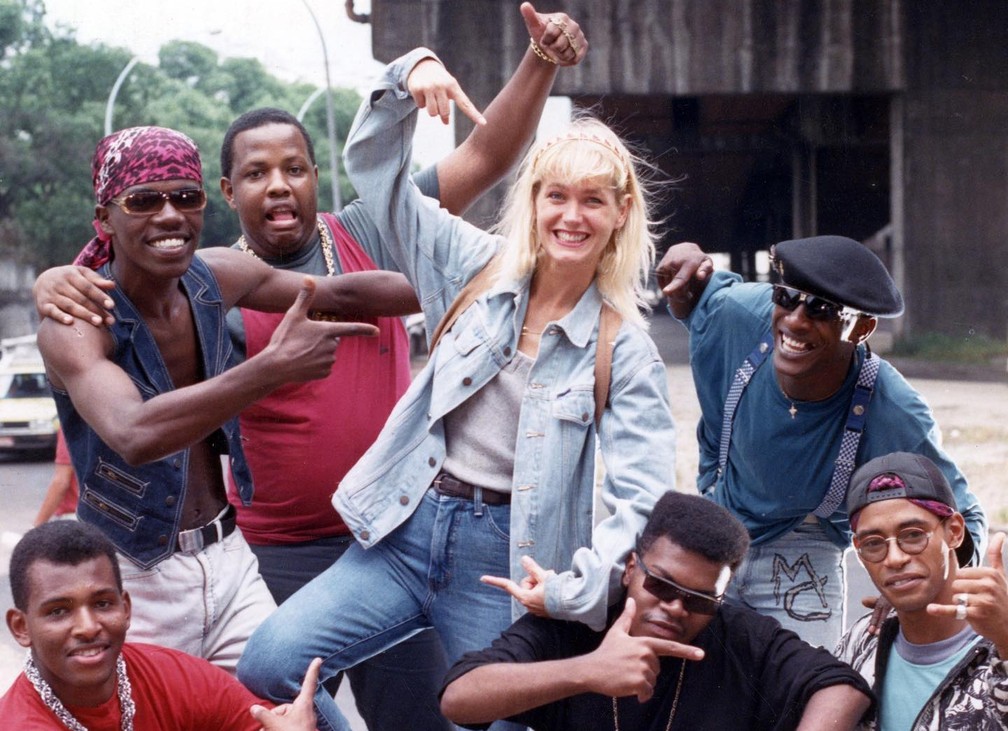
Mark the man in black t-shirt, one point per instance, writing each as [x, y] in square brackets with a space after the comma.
[674, 655]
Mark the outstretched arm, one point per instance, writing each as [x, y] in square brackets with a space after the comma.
[77, 360]
[250, 283]
[492, 149]
[622, 665]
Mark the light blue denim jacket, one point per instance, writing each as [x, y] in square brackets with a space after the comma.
[554, 473]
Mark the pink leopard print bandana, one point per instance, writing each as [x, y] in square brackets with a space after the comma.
[130, 157]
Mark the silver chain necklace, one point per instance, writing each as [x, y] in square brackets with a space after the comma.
[675, 702]
[127, 707]
[325, 243]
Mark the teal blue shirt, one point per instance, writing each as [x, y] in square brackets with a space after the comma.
[780, 467]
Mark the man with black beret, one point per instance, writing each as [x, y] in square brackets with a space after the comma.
[792, 401]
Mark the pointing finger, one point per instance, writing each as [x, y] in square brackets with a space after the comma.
[469, 109]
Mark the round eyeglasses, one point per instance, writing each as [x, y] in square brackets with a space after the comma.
[911, 541]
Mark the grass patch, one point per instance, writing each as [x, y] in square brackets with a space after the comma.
[970, 348]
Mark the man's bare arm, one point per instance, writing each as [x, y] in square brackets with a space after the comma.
[491, 150]
[77, 360]
[250, 283]
[836, 708]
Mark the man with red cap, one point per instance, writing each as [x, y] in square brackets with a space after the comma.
[148, 404]
[942, 661]
[792, 400]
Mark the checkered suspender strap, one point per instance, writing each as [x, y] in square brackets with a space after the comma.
[753, 361]
[843, 468]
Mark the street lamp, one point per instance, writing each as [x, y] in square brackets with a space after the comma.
[115, 92]
[308, 102]
[330, 114]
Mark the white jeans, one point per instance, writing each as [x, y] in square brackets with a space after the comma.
[206, 604]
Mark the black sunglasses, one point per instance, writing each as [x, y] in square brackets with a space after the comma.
[666, 590]
[816, 307]
[149, 202]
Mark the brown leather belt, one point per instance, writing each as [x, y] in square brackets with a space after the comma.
[446, 484]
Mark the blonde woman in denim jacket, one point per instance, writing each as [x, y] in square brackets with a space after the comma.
[574, 234]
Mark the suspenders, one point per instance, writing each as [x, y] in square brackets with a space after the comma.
[843, 467]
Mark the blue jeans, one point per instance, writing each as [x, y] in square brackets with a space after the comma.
[395, 690]
[424, 574]
[800, 580]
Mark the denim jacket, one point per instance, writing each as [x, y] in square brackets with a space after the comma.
[553, 485]
[139, 507]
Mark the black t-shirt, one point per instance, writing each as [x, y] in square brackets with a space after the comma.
[755, 675]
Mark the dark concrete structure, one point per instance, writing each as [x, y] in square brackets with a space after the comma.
[883, 120]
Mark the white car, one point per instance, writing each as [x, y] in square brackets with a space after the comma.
[28, 420]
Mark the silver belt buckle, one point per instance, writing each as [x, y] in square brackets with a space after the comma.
[190, 541]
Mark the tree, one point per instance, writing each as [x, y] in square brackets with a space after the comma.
[54, 92]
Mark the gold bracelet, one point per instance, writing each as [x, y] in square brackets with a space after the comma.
[539, 52]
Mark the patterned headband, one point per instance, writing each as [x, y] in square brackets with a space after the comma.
[578, 136]
[142, 155]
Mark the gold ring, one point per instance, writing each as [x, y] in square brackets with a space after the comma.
[570, 39]
[558, 23]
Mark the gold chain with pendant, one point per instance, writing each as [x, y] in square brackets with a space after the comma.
[325, 243]
[675, 702]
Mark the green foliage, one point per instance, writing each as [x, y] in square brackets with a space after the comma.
[968, 348]
[54, 93]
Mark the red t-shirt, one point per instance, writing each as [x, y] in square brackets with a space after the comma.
[172, 692]
[68, 505]
[301, 439]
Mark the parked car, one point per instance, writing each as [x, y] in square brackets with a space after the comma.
[28, 418]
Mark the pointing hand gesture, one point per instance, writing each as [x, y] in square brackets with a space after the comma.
[627, 664]
[433, 89]
[531, 592]
[305, 349]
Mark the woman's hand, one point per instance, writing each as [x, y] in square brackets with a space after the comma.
[63, 293]
[531, 592]
[433, 88]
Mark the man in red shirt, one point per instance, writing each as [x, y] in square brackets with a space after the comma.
[72, 613]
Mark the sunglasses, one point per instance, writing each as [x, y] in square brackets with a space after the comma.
[911, 541]
[149, 202]
[666, 590]
[816, 307]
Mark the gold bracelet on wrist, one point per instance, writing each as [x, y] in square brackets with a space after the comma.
[539, 52]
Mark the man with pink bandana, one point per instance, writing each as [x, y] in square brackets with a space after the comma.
[148, 404]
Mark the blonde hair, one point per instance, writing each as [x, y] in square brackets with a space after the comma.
[588, 150]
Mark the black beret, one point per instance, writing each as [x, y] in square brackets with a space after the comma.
[839, 269]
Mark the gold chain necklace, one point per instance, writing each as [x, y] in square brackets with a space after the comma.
[675, 702]
[325, 243]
